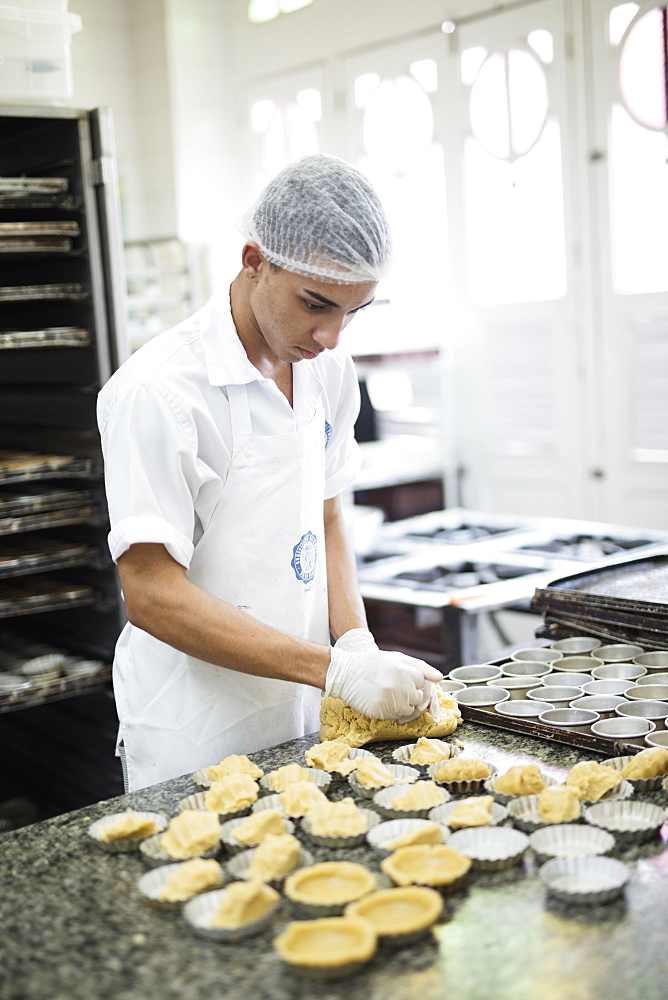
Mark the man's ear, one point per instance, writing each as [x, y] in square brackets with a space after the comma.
[251, 259]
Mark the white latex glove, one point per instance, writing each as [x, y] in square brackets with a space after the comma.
[380, 684]
[355, 640]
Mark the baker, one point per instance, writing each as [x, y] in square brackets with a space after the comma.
[228, 443]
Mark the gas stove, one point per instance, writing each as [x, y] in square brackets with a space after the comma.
[458, 575]
[585, 547]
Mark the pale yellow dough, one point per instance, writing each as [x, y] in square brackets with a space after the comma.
[328, 943]
[332, 755]
[286, 775]
[650, 763]
[243, 903]
[558, 804]
[421, 795]
[330, 882]
[192, 832]
[236, 762]
[336, 819]
[474, 811]
[261, 824]
[523, 779]
[236, 791]
[428, 751]
[131, 826]
[591, 780]
[191, 878]
[425, 865]
[340, 722]
[402, 910]
[299, 797]
[275, 857]
[430, 833]
[372, 773]
[462, 769]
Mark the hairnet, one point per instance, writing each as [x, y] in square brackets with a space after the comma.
[321, 217]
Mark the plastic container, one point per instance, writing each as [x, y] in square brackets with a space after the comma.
[35, 54]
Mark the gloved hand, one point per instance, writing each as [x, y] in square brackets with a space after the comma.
[355, 640]
[380, 684]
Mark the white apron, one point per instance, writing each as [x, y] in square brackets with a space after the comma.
[263, 551]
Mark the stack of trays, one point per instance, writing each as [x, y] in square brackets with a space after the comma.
[626, 602]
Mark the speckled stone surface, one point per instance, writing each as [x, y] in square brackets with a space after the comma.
[73, 926]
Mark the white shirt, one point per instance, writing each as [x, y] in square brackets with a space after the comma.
[165, 425]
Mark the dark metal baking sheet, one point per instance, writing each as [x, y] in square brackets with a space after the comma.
[641, 583]
[22, 467]
[55, 336]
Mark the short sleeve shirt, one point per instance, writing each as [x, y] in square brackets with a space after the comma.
[166, 433]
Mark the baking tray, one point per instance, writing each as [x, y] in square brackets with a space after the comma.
[86, 513]
[19, 558]
[27, 466]
[44, 228]
[42, 593]
[68, 292]
[35, 244]
[53, 336]
[38, 499]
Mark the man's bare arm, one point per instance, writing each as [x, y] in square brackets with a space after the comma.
[346, 608]
[161, 600]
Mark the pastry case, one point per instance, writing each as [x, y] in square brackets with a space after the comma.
[61, 336]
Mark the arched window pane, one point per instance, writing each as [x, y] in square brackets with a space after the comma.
[289, 135]
[398, 124]
[509, 103]
[643, 73]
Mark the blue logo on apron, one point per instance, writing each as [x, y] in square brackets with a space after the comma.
[328, 432]
[304, 558]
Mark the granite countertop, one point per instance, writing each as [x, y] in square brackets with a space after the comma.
[73, 926]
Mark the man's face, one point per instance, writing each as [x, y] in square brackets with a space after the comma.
[300, 317]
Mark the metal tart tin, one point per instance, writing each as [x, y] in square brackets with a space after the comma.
[403, 773]
[12, 682]
[269, 802]
[652, 692]
[490, 848]
[654, 677]
[433, 907]
[336, 777]
[604, 704]
[450, 686]
[80, 668]
[524, 813]
[504, 797]
[557, 696]
[656, 660]
[475, 673]
[203, 783]
[49, 663]
[153, 854]
[153, 882]
[566, 679]
[402, 755]
[657, 711]
[125, 844]
[319, 777]
[483, 696]
[624, 790]
[196, 801]
[238, 866]
[462, 786]
[235, 846]
[441, 814]
[524, 668]
[302, 908]
[542, 653]
[619, 652]
[576, 645]
[383, 802]
[587, 881]
[517, 686]
[523, 708]
[659, 739]
[630, 821]
[372, 818]
[607, 687]
[578, 664]
[569, 718]
[639, 784]
[618, 672]
[389, 832]
[570, 840]
[199, 911]
[623, 727]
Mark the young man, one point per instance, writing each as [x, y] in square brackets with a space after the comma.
[228, 442]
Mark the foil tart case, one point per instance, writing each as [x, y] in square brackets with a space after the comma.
[505, 797]
[630, 822]
[125, 844]
[587, 881]
[239, 866]
[319, 777]
[353, 753]
[490, 848]
[152, 852]
[153, 882]
[383, 800]
[570, 840]
[234, 846]
[196, 801]
[199, 911]
[441, 814]
[392, 830]
[372, 819]
[403, 774]
[524, 813]
[638, 784]
[464, 786]
[402, 755]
